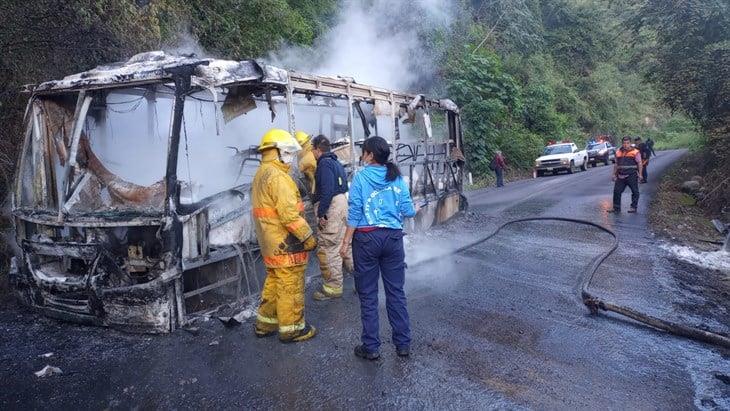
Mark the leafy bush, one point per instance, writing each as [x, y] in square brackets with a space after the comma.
[678, 132]
[489, 100]
[250, 28]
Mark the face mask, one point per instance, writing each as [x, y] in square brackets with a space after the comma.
[286, 157]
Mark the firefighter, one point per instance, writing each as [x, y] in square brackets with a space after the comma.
[306, 160]
[626, 172]
[307, 165]
[285, 239]
[330, 205]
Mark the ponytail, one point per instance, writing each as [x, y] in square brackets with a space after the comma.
[393, 171]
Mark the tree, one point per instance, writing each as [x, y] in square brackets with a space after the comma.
[491, 107]
[690, 57]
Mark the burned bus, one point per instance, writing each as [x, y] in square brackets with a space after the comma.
[132, 203]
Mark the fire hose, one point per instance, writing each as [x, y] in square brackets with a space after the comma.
[595, 303]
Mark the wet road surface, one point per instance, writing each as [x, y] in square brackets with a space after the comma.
[497, 326]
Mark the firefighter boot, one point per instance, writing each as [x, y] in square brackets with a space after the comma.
[327, 293]
[263, 333]
[304, 334]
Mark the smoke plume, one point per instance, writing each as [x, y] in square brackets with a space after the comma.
[379, 42]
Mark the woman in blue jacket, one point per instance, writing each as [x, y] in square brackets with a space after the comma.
[379, 200]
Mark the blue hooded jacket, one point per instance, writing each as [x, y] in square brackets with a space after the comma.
[375, 202]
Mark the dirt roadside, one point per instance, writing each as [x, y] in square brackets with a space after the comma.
[681, 216]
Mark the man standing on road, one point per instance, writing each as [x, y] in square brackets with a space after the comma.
[645, 154]
[285, 239]
[499, 167]
[330, 205]
[626, 172]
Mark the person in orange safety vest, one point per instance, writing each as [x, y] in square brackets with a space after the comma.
[626, 173]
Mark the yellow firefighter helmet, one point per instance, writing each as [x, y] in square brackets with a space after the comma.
[302, 137]
[278, 138]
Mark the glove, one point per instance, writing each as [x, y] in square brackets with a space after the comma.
[310, 243]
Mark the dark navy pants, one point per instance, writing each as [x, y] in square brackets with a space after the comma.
[632, 182]
[380, 253]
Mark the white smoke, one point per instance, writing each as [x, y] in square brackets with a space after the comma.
[378, 42]
[187, 43]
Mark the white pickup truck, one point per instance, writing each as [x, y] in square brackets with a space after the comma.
[559, 157]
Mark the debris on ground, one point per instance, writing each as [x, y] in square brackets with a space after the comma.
[691, 186]
[192, 330]
[214, 342]
[48, 371]
[720, 226]
[46, 355]
[679, 211]
[237, 319]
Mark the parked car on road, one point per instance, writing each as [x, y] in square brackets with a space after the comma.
[560, 157]
[602, 152]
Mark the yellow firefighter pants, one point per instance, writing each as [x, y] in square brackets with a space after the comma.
[329, 240]
[282, 301]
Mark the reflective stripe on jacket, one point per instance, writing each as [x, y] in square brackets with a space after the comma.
[277, 214]
[626, 159]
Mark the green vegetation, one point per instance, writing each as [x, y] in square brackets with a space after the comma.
[678, 132]
[530, 71]
[234, 28]
[685, 47]
[492, 107]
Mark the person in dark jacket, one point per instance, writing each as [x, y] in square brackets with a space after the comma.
[645, 154]
[379, 201]
[330, 205]
[650, 144]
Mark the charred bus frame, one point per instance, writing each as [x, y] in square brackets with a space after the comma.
[148, 268]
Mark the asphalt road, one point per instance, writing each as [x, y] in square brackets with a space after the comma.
[497, 326]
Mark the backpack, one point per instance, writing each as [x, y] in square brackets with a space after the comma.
[493, 164]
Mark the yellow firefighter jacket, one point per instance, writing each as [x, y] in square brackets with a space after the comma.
[277, 213]
[308, 165]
